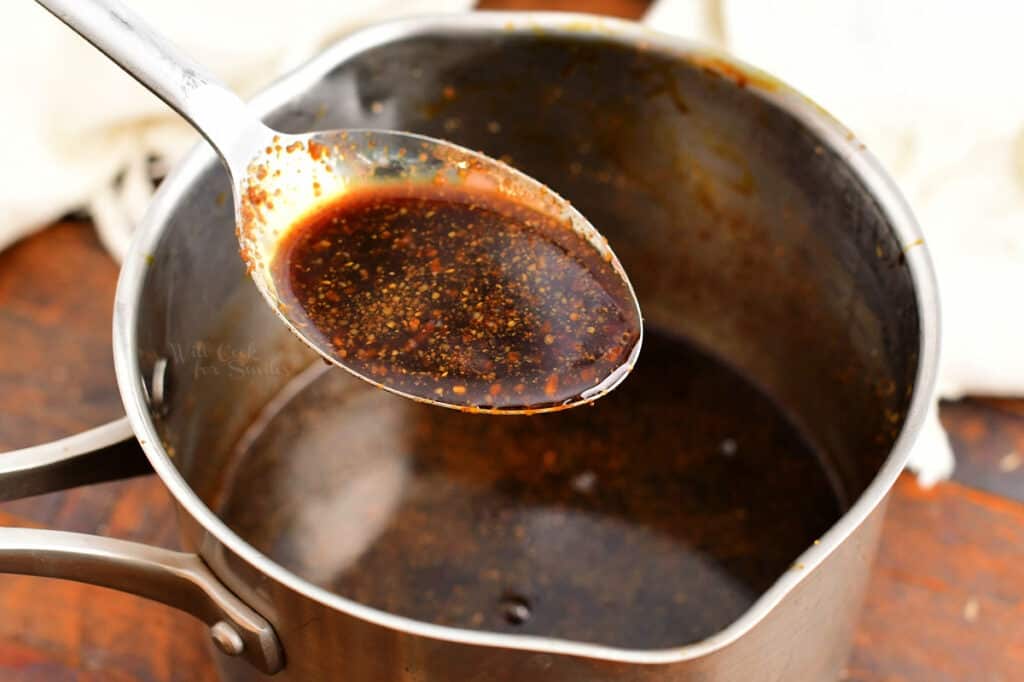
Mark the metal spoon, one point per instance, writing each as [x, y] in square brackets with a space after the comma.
[277, 178]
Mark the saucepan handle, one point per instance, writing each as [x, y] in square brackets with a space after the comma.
[178, 579]
[106, 453]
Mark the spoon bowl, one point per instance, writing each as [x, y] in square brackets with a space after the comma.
[546, 352]
[294, 176]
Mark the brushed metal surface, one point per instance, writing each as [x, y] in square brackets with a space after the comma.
[751, 223]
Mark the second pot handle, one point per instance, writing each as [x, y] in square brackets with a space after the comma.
[106, 453]
[178, 579]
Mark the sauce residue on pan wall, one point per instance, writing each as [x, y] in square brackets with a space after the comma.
[460, 296]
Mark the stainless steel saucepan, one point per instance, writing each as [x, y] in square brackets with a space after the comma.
[751, 223]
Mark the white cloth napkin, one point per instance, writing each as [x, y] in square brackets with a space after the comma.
[931, 86]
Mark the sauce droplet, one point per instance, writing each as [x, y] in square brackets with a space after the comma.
[466, 298]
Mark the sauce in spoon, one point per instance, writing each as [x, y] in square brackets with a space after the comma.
[462, 296]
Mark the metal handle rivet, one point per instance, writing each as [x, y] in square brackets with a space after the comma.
[158, 389]
[227, 638]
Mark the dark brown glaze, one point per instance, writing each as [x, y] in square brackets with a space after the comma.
[464, 298]
[651, 519]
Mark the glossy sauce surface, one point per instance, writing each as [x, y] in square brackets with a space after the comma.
[467, 298]
[651, 519]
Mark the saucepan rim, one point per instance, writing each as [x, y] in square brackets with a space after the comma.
[832, 134]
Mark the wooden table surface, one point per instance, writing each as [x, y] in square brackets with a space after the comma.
[946, 601]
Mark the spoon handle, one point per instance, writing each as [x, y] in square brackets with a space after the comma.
[209, 105]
